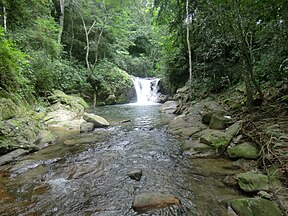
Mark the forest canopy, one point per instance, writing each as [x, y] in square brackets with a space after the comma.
[76, 46]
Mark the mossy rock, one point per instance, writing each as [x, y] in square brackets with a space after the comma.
[74, 102]
[255, 207]
[244, 150]
[18, 133]
[8, 109]
[217, 139]
[253, 182]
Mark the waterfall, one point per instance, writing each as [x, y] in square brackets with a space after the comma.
[146, 90]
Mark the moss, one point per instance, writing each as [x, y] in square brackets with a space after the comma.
[8, 109]
[255, 206]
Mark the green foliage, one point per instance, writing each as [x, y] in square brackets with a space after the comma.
[14, 69]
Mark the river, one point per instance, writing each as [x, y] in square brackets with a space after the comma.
[70, 178]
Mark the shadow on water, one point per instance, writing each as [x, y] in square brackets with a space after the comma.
[71, 178]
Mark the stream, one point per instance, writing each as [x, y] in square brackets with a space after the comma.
[77, 178]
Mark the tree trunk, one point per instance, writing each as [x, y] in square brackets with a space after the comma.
[188, 45]
[5, 19]
[72, 39]
[62, 11]
[94, 98]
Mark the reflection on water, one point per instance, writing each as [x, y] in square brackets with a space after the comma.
[91, 178]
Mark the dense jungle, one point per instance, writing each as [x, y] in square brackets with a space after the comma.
[144, 107]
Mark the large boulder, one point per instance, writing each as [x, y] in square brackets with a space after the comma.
[146, 201]
[18, 133]
[73, 102]
[253, 182]
[244, 150]
[169, 107]
[97, 120]
[218, 139]
[255, 207]
[7, 109]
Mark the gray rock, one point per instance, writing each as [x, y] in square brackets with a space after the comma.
[244, 150]
[97, 120]
[12, 156]
[255, 206]
[45, 138]
[135, 175]
[218, 122]
[169, 107]
[111, 99]
[234, 129]
[86, 127]
[147, 201]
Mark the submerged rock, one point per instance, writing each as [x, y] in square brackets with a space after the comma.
[97, 120]
[255, 206]
[12, 156]
[244, 150]
[86, 127]
[135, 174]
[146, 201]
[253, 182]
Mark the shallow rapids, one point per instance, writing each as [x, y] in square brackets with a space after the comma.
[71, 178]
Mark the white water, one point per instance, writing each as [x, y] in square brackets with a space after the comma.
[146, 90]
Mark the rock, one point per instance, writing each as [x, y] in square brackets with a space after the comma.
[186, 131]
[169, 107]
[87, 138]
[152, 200]
[97, 120]
[135, 174]
[18, 133]
[75, 103]
[264, 194]
[12, 156]
[45, 138]
[230, 181]
[8, 109]
[217, 139]
[195, 149]
[244, 150]
[255, 206]
[218, 122]
[234, 129]
[253, 182]
[86, 127]
[206, 117]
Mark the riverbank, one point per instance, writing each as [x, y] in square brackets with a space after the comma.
[220, 127]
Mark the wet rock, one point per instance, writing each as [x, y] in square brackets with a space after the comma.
[253, 182]
[230, 181]
[12, 156]
[146, 201]
[244, 150]
[135, 175]
[217, 139]
[86, 139]
[97, 120]
[195, 149]
[169, 107]
[86, 127]
[45, 138]
[234, 129]
[255, 206]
